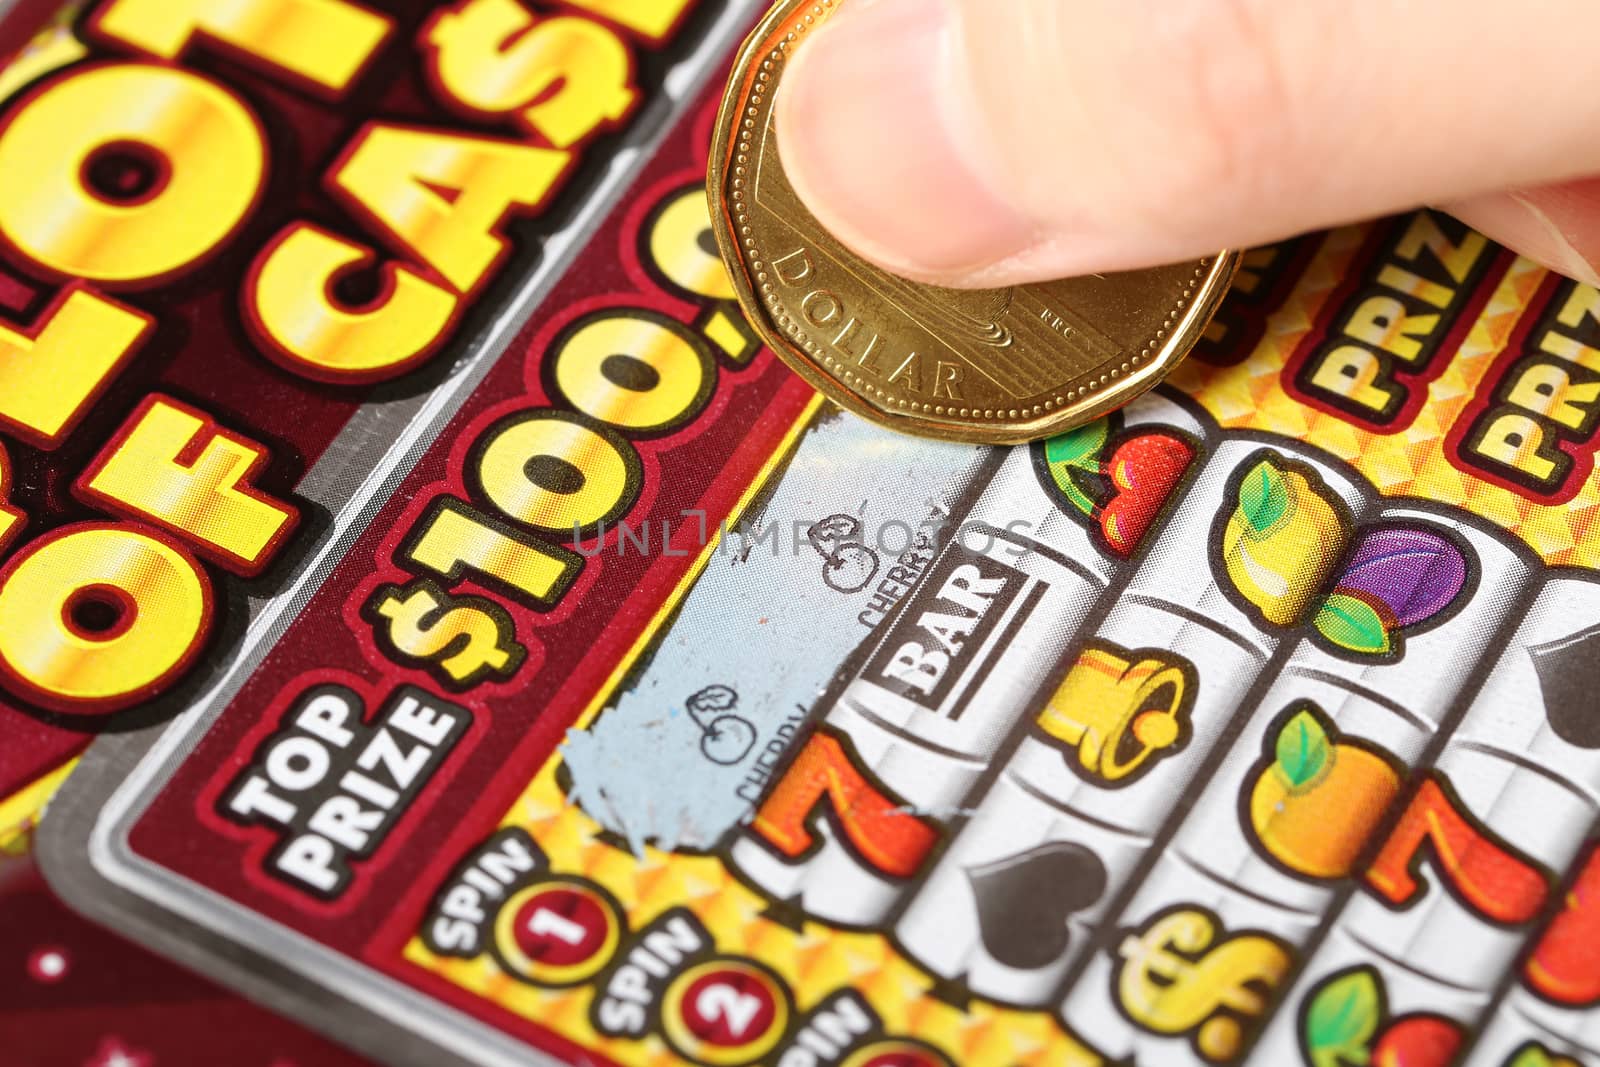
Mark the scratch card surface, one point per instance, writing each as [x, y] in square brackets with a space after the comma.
[432, 615]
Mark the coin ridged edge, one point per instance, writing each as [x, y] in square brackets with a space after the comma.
[754, 71]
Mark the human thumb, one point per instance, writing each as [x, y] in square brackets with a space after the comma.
[993, 142]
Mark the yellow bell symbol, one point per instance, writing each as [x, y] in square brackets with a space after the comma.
[1121, 710]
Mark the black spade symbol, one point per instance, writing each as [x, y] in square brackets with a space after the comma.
[1024, 901]
[1569, 679]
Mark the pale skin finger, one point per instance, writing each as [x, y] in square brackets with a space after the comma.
[990, 142]
[1557, 225]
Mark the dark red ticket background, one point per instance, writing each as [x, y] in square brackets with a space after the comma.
[702, 469]
[76, 995]
[708, 465]
[22, 21]
[201, 354]
[110, 1003]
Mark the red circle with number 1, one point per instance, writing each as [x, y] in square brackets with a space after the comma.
[557, 933]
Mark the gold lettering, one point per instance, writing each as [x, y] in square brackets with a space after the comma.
[1382, 322]
[793, 268]
[911, 371]
[1458, 259]
[1516, 441]
[1353, 374]
[1406, 283]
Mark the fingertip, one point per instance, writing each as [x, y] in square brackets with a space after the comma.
[873, 138]
[1558, 225]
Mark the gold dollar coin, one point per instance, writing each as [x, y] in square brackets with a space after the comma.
[1001, 366]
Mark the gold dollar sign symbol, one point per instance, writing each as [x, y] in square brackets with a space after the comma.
[1181, 975]
[467, 639]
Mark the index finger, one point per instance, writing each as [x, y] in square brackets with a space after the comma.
[974, 142]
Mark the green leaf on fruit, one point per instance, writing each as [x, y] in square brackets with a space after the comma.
[1303, 750]
[1264, 496]
[1080, 447]
[1353, 624]
[1073, 492]
[1075, 454]
[1343, 1016]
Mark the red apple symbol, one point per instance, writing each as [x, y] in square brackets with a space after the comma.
[1418, 1041]
[1144, 470]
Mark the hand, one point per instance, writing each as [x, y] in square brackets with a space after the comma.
[993, 142]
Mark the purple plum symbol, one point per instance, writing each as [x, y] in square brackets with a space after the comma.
[1400, 577]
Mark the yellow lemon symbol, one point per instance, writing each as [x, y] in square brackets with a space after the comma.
[1281, 541]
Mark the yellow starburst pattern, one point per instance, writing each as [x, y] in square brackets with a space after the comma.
[816, 960]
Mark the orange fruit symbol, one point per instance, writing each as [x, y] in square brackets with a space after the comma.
[1316, 801]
